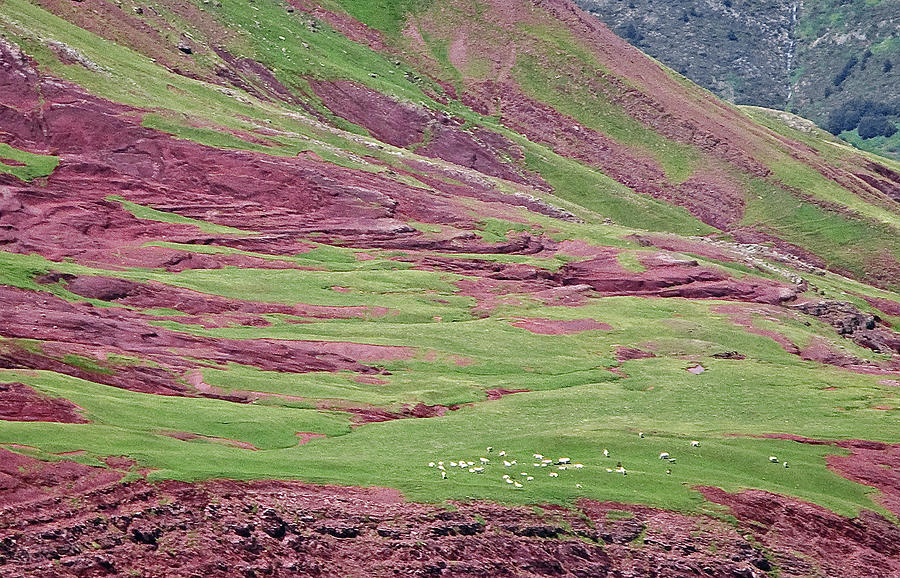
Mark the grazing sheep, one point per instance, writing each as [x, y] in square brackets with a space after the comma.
[554, 475]
[562, 467]
[785, 464]
[695, 444]
[517, 485]
[502, 453]
[441, 467]
[773, 459]
[671, 460]
[452, 464]
[578, 486]
[664, 455]
[641, 434]
[507, 464]
[443, 475]
[621, 470]
[509, 481]
[431, 464]
[563, 460]
[605, 453]
[578, 466]
[537, 456]
[668, 471]
[484, 460]
[529, 478]
[490, 449]
[505, 476]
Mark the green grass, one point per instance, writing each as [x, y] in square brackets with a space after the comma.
[151, 214]
[24, 165]
[583, 104]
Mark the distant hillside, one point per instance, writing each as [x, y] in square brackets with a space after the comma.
[835, 62]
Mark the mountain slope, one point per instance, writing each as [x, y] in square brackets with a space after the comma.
[832, 62]
[337, 241]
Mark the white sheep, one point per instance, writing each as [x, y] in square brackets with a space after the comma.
[537, 456]
[785, 464]
[517, 485]
[563, 460]
[507, 464]
[605, 453]
[502, 453]
[554, 475]
[664, 455]
[443, 475]
[695, 444]
[431, 464]
[529, 478]
[578, 466]
[641, 434]
[773, 459]
[484, 460]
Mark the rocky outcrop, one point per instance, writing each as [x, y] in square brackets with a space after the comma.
[279, 528]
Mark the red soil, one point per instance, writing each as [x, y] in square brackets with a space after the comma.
[497, 393]
[559, 327]
[280, 528]
[305, 437]
[628, 353]
[886, 306]
[821, 542]
[18, 402]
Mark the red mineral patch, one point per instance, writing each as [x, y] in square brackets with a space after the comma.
[18, 402]
[560, 327]
[305, 437]
[497, 393]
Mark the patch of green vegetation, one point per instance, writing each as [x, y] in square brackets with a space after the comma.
[841, 241]
[388, 16]
[593, 190]
[584, 105]
[629, 260]
[151, 214]
[86, 363]
[24, 165]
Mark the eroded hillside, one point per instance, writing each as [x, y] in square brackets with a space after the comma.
[353, 244]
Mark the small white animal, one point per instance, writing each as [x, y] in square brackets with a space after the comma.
[484, 460]
[452, 464]
[502, 453]
[577, 485]
[578, 466]
[695, 444]
[773, 459]
[443, 475]
[490, 449]
[529, 478]
[605, 453]
[554, 475]
[431, 464]
[563, 460]
[537, 456]
[664, 456]
[785, 464]
[517, 484]
[506, 463]
[641, 435]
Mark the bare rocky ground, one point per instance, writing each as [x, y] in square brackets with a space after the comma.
[67, 519]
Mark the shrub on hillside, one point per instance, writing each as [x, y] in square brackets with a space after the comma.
[872, 126]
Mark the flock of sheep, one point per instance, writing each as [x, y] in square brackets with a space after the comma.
[556, 466]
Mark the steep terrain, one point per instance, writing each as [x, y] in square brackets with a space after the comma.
[830, 61]
[472, 257]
